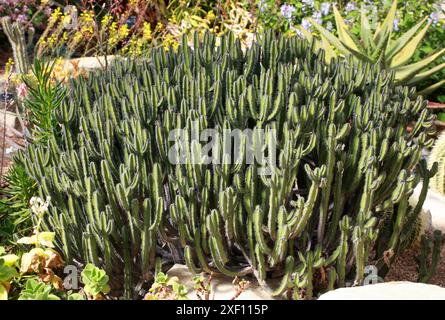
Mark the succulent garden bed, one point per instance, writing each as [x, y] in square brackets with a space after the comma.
[219, 161]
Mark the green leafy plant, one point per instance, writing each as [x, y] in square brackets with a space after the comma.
[15, 214]
[166, 288]
[7, 272]
[393, 54]
[35, 290]
[336, 197]
[75, 296]
[95, 281]
[45, 95]
[203, 289]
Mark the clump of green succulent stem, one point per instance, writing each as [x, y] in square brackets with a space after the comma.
[337, 198]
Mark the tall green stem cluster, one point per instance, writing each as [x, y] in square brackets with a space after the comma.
[338, 195]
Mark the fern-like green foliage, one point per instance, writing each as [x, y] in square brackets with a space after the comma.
[438, 155]
[15, 214]
[45, 95]
[345, 165]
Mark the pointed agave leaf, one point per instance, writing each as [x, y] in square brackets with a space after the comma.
[359, 55]
[329, 52]
[343, 32]
[306, 34]
[406, 72]
[408, 50]
[330, 37]
[400, 43]
[365, 30]
[379, 53]
[424, 75]
[309, 37]
[432, 88]
[387, 24]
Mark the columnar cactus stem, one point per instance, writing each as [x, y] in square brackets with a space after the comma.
[17, 38]
[428, 269]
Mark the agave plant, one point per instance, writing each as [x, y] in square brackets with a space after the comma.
[380, 47]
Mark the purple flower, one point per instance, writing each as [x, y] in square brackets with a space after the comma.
[262, 5]
[22, 18]
[434, 18]
[287, 11]
[325, 7]
[306, 24]
[317, 17]
[396, 24]
[351, 6]
[348, 21]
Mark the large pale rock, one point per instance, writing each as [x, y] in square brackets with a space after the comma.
[222, 287]
[11, 119]
[396, 290]
[88, 63]
[435, 204]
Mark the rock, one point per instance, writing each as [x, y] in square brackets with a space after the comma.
[434, 203]
[88, 63]
[222, 287]
[11, 119]
[395, 290]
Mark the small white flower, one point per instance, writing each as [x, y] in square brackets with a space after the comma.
[10, 150]
[38, 206]
[299, 33]
[329, 25]
[309, 3]
[32, 200]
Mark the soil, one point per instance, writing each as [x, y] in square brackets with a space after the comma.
[405, 268]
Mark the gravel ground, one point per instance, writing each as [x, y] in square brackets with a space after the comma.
[405, 268]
